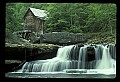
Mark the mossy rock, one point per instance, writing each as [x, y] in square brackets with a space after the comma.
[23, 51]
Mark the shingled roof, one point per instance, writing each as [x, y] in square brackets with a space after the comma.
[42, 14]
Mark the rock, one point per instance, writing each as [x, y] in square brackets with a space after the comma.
[10, 65]
[75, 71]
[30, 51]
[62, 38]
[14, 52]
[90, 54]
[12, 61]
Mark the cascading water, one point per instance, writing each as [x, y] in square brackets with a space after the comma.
[106, 62]
[76, 57]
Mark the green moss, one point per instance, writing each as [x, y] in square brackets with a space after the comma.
[100, 38]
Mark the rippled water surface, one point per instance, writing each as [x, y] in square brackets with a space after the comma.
[58, 75]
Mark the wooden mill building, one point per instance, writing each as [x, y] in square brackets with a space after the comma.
[34, 20]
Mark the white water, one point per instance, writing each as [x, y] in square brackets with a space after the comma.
[106, 62]
[103, 62]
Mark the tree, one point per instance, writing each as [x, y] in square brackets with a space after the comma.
[70, 17]
[100, 17]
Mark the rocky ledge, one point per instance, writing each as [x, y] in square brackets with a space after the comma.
[28, 51]
[17, 54]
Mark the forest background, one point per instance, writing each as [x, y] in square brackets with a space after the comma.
[96, 20]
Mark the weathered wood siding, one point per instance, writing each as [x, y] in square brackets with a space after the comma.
[33, 23]
[39, 25]
[29, 21]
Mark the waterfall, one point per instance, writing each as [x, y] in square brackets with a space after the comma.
[76, 57]
[81, 60]
[58, 63]
[106, 62]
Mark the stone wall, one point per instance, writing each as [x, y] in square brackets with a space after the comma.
[62, 38]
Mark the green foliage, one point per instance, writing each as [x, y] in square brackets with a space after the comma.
[67, 17]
